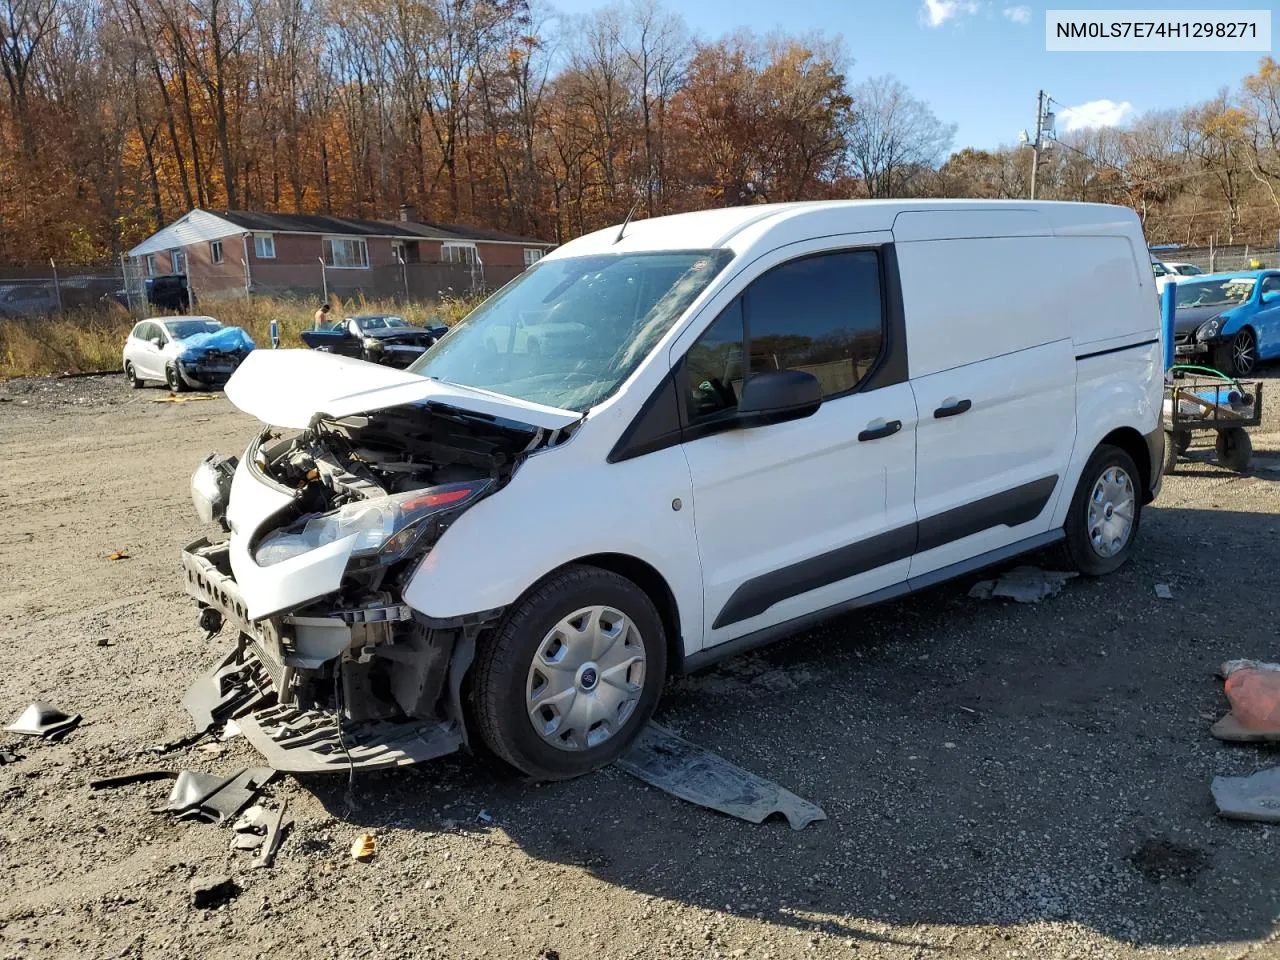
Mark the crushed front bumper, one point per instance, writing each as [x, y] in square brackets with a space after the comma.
[201, 374]
[256, 685]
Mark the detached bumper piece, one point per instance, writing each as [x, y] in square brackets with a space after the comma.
[237, 685]
[310, 741]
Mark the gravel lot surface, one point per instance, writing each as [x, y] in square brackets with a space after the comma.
[1001, 780]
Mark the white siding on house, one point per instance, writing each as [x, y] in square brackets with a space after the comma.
[198, 226]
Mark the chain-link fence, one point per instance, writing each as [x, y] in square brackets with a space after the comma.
[1216, 259]
[53, 289]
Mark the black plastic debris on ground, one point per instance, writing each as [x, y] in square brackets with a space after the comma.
[45, 721]
[9, 756]
[215, 797]
[128, 779]
[685, 770]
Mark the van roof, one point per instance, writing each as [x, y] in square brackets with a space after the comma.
[710, 229]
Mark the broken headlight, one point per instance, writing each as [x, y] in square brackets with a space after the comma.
[211, 488]
[385, 529]
[1209, 329]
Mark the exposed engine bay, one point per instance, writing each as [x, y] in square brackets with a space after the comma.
[354, 677]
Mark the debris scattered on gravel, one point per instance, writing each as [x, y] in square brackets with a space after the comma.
[215, 797]
[45, 721]
[1253, 690]
[689, 772]
[1231, 666]
[128, 779]
[1163, 591]
[186, 398]
[209, 893]
[364, 847]
[104, 642]
[262, 830]
[1023, 584]
[1255, 797]
[9, 756]
[273, 838]
[118, 555]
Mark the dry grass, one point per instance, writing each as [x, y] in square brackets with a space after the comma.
[91, 341]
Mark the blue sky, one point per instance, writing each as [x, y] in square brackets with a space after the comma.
[979, 63]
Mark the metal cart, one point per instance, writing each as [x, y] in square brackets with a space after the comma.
[1200, 399]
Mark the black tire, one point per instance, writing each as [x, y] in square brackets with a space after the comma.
[1234, 449]
[505, 658]
[174, 379]
[1078, 550]
[1238, 357]
[1173, 448]
[132, 376]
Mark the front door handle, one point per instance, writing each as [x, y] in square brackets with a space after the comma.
[952, 409]
[879, 433]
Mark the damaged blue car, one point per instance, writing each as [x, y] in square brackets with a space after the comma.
[184, 352]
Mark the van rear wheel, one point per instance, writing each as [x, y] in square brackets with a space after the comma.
[1105, 512]
[571, 675]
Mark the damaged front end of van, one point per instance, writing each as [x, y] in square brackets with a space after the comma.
[326, 519]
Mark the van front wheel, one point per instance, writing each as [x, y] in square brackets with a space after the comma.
[567, 680]
[1105, 511]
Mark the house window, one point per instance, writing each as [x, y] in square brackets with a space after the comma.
[215, 251]
[346, 252]
[264, 246]
[460, 253]
[531, 256]
[151, 265]
[177, 261]
[398, 252]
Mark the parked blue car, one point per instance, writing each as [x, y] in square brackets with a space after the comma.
[1229, 320]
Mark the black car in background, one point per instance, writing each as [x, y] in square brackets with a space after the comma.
[376, 337]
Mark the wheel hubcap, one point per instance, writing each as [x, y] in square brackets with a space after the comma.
[586, 678]
[1243, 352]
[1111, 511]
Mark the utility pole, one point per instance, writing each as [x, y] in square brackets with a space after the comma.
[1038, 143]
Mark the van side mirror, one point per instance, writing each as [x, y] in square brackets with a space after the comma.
[775, 396]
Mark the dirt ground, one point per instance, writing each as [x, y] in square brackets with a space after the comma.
[1001, 780]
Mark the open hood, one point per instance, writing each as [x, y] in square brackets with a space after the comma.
[286, 388]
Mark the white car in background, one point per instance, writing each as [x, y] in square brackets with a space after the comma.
[1167, 271]
[165, 349]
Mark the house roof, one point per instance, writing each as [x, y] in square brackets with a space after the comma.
[204, 225]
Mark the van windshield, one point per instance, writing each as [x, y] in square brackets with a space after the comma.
[567, 332]
[1215, 293]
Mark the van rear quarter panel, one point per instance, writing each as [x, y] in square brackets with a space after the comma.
[1113, 390]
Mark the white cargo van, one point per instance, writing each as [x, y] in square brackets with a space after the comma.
[664, 444]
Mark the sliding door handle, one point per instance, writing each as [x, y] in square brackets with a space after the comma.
[952, 409]
[879, 433]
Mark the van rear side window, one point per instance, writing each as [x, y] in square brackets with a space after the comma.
[822, 314]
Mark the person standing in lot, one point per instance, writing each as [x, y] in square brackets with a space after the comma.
[321, 315]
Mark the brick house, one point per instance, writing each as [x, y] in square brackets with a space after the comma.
[235, 252]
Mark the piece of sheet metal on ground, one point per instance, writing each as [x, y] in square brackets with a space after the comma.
[1255, 797]
[685, 770]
